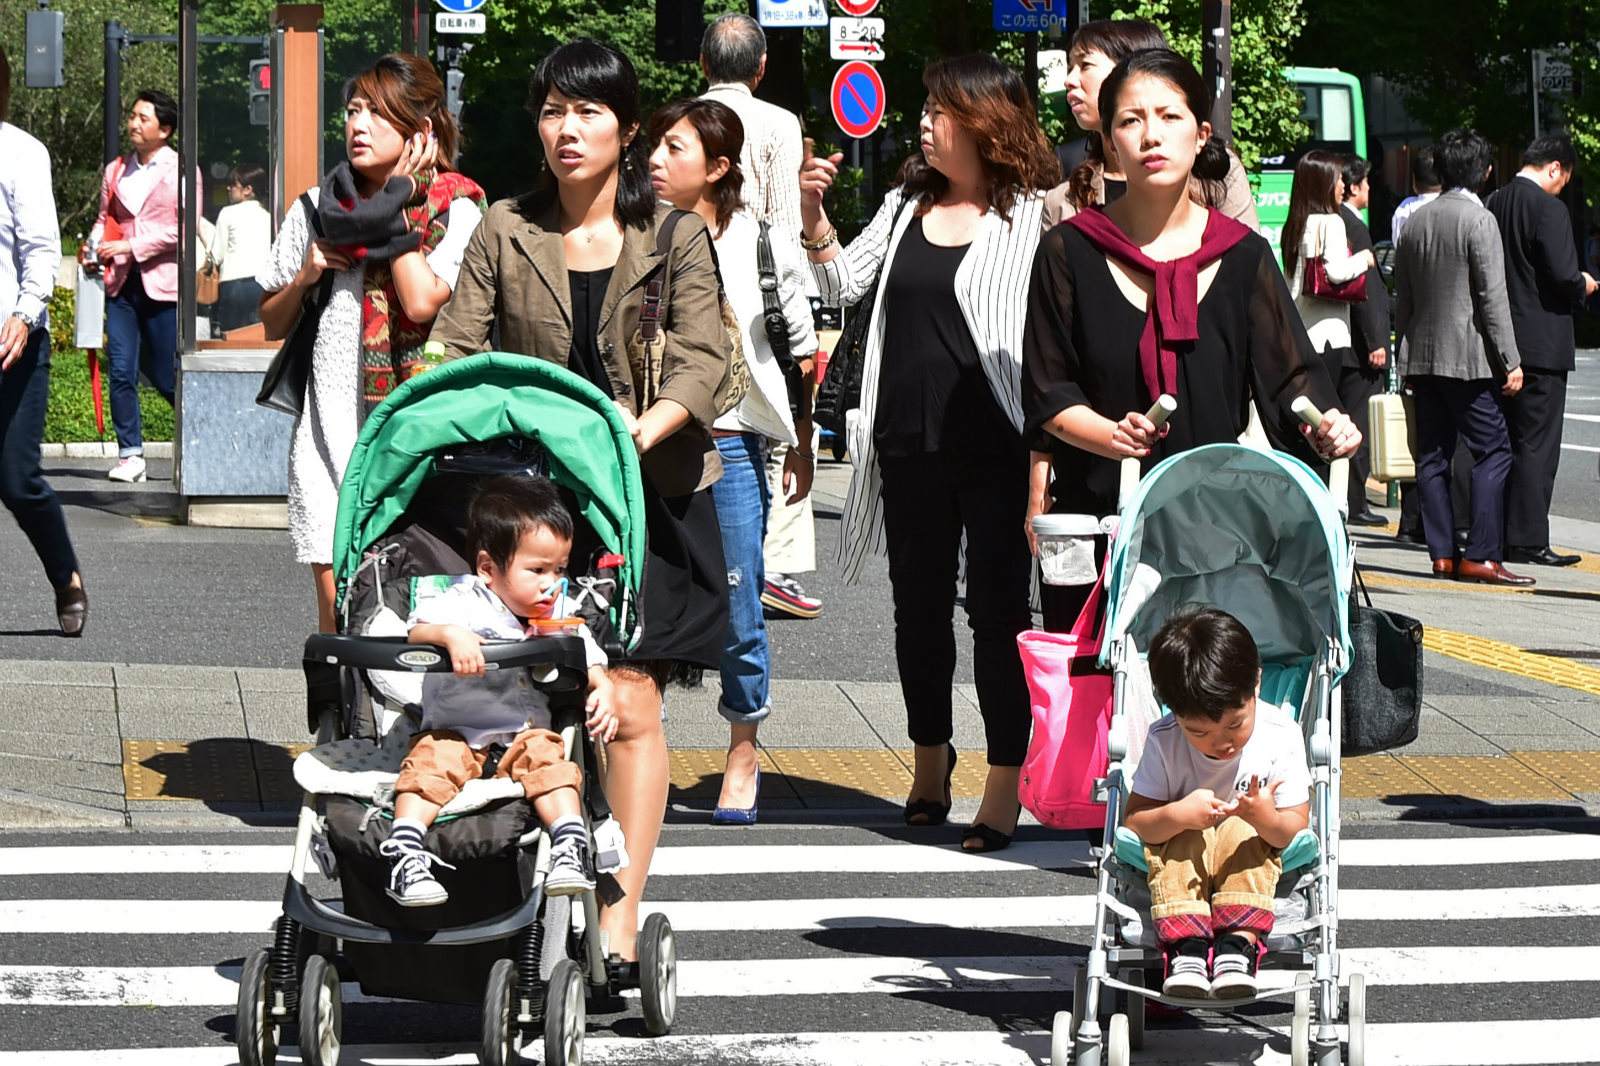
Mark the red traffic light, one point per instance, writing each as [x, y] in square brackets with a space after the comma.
[261, 75]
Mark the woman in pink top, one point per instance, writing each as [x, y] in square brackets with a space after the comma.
[137, 248]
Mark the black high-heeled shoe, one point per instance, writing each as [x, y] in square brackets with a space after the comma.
[934, 812]
[989, 839]
[72, 610]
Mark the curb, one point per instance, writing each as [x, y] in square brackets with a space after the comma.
[23, 810]
[101, 449]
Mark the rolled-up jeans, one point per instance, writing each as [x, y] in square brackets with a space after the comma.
[1207, 882]
[742, 503]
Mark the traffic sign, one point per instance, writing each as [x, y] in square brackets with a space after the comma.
[1032, 16]
[461, 7]
[856, 39]
[856, 8]
[858, 99]
[787, 14]
[449, 22]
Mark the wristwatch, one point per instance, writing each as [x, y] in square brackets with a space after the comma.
[25, 320]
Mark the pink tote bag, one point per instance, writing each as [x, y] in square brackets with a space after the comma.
[1071, 701]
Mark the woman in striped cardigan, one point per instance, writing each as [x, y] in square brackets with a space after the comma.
[937, 441]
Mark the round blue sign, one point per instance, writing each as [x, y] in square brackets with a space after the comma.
[461, 7]
[858, 99]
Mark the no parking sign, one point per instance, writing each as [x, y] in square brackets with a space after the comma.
[858, 99]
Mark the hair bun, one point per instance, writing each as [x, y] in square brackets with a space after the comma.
[1214, 161]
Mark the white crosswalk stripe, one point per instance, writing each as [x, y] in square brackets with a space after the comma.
[913, 952]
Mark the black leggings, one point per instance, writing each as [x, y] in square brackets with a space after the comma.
[928, 502]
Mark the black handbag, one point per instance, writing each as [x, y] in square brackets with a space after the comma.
[840, 391]
[283, 386]
[1383, 687]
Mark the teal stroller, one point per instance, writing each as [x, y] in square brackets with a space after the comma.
[530, 962]
[1255, 533]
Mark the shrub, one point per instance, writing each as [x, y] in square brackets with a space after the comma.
[70, 413]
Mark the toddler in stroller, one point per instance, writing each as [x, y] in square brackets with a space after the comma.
[1220, 792]
[519, 535]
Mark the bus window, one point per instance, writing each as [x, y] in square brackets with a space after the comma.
[1329, 112]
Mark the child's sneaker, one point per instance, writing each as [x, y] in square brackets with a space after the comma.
[1233, 968]
[1186, 970]
[569, 866]
[411, 881]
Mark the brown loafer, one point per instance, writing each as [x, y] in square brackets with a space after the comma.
[1490, 573]
[72, 610]
[1444, 568]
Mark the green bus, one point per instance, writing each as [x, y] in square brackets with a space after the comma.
[1334, 109]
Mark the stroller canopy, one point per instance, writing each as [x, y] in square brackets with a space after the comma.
[1252, 532]
[483, 398]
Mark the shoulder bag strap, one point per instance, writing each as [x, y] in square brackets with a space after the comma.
[773, 320]
[319, 296]
[650, 310]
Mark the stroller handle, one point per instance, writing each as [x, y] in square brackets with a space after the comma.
[563, 653]
[1160, 412]
[1338, 469]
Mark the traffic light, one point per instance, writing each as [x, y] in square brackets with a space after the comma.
[454, 79]
[260, 92]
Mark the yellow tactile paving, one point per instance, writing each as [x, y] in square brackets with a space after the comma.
[1510, 659]
[1376, 776]
[1483, 777]
[224, 770]
[1575, 771]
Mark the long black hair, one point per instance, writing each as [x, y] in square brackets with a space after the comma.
[585, 69]
[1211, 164]
[1315, 192]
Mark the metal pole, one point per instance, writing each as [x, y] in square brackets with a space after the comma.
[188, 162]
[1217, 63]
[113, 93]
[1533, 59]
[1030, 66]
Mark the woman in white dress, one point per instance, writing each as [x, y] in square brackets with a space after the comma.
[401, 144]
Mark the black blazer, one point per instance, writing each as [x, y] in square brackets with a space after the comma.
[1369, 319]
[1543, 282]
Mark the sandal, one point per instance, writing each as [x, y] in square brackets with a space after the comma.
[932, 811]
[989, 839]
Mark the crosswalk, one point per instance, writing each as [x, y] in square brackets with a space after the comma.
[836, 945]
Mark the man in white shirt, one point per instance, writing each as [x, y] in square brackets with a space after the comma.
[30, 253]
[733, 56]
[1426, 180]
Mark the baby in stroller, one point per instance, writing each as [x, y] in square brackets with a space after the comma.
[1221, 789]
[519, 536]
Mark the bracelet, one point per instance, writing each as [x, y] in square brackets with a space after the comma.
[831, 237]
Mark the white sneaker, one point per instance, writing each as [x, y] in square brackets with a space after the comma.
[1186, 975]
[411, 881]
[569, 867]
[1233, 969]
[129, 468]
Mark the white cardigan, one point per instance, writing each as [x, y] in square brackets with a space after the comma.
[1327, 322]
[992, 290]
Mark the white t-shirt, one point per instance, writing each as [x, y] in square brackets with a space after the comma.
[1171, 767]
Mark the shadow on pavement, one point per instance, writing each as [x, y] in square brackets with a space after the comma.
[229, 775]
[1465, 811]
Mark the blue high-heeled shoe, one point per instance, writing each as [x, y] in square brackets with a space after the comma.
[740, 815]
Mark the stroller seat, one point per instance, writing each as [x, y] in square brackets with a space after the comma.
[367, 771]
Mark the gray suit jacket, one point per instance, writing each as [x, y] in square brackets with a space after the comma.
[1451, 309]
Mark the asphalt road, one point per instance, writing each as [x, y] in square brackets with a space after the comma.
[842, 945]
[1577, 484]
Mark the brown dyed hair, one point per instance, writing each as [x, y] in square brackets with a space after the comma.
[406, 91]
[1317, 180]
[989, 101]
[721, 136]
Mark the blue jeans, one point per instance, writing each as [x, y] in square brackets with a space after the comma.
[742, 502]
[131, 317]
[24, 393]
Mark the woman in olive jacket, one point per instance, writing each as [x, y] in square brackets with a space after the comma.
[560, 274]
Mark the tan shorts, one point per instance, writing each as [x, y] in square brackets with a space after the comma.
[441, 762]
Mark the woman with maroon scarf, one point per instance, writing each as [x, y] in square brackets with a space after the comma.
[1158, 294]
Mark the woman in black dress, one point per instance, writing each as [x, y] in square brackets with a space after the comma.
[561, 274]
[1098, 348]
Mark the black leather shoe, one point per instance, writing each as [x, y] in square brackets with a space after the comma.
[1410, 536]
[72, 610]
[1368, 518]
[1541, 557]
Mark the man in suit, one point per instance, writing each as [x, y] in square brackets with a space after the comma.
[1368, 354]
[1459, 355]
[1544, 286]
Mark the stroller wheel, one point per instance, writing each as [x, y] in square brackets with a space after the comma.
[1118, 1053]
[564, 1016]
[658, 974]
[1135, 1005]
[1061, 1030]
[321, 1013]
[255, 1032]
[1356, 1008]
[1300, 1028]
[501, 1040]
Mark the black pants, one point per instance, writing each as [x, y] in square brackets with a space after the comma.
[1447, 407]
[1356, 383]
[1533, 419]
[929, 501]
[24, 393]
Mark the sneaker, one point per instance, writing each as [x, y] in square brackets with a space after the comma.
[411, 880]
[1186, 970]
[569, 867]
[784, 594]
[129, 468]
[1233, 968]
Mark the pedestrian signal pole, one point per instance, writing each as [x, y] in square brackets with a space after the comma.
[1216, 65]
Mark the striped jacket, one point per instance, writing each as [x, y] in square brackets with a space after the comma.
[992, 289]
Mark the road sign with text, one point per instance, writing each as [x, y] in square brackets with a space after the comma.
[790, 14]
[856, 39]
[1032, 16]
[858, 99]
[856, 8]
[450, 22]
